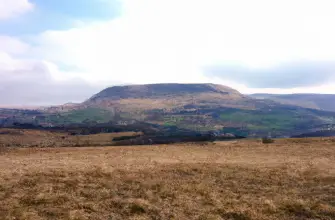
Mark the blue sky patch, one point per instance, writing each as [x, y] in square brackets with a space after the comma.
[59, 15]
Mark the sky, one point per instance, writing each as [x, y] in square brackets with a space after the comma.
[54, 52]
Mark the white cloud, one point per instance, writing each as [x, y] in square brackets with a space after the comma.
[30, 82]
[12, 8]
[166, 41]
[285, 75]
[327, 88]
[13, 45]
[171, 40]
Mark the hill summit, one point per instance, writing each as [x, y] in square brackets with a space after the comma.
[161, 91]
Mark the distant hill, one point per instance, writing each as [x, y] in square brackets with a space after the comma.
[162, 90]
[316, 101]
[185, 107]
[168, 96]
[329, 133]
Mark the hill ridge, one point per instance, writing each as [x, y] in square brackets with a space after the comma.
[161, 90]
[324, 102]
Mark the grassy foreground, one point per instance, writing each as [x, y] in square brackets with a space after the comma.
[241, 180]
[25, 138]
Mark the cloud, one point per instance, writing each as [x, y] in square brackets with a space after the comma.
[12, 8]
[30, 82]
[289, 75]
[12, 45]
[172, 41]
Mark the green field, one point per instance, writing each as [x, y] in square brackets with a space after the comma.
[82, 115]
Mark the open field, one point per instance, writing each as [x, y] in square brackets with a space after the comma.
[241, 180]
[42, 138]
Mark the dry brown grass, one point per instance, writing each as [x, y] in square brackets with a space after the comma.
[242, 180]
[39, 138]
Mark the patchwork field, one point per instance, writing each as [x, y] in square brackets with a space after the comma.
[241, 180]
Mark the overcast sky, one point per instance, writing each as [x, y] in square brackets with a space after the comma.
[54, 52]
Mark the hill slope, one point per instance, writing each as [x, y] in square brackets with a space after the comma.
[168, 96]
[191, 107]
[316, 101]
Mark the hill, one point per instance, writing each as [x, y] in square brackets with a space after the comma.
[162, 90]
[204, 107]
[316, 101]
[168, 96]
[183, 107]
